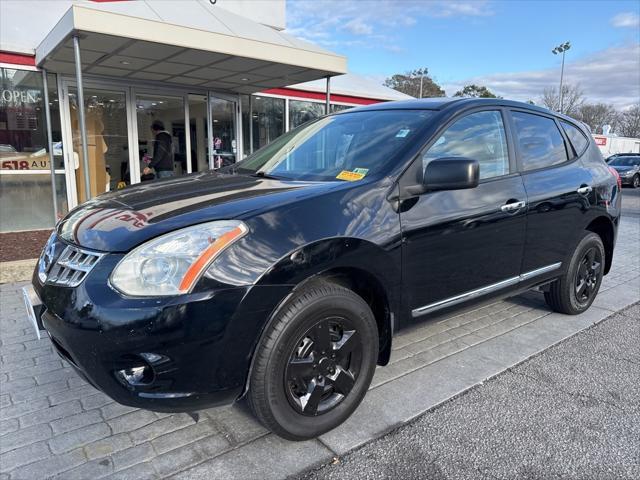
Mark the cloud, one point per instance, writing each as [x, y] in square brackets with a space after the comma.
[373, 21]
[625, 20]
[358, 27]
[609, 76]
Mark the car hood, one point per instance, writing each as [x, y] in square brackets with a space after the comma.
[121, 220]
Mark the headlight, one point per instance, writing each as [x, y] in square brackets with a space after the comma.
[172, 263]
[628, 173]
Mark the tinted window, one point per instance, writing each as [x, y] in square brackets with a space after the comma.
[625, 161]
[479, 136]
[578, 140]
[541, 143]
[348, 146]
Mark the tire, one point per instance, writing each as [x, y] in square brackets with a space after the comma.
[635, 183]
[574, 292]
[285, 390]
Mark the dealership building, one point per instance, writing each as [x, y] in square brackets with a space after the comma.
[219, 74]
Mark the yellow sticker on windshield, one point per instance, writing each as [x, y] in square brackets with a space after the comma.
[350, 176]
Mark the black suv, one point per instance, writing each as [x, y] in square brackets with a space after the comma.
[283, 278]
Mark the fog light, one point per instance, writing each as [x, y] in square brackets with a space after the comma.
[141, 375]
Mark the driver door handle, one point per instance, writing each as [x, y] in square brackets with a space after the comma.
[513, 206]
[585, 189]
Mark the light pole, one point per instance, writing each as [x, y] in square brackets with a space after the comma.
[421, 71]
[562, 48]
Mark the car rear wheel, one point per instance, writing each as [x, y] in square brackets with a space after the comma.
[315, 362]
[574, 292]
[636, 181]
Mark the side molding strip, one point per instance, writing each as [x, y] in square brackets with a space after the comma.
[463, 297]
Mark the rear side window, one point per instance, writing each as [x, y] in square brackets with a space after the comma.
[540, 141]
[576, 137]
[479, 136]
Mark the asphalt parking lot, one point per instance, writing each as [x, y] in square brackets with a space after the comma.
[571, 412]
[54, 425]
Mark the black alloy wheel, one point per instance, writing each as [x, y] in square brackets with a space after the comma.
[576, 289]
[588, 275]
[323, 366]
[315, 361]
[636, 181]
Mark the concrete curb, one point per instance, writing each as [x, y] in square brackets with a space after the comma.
[17, 271]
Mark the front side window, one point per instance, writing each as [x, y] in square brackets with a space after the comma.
[479, 136]
[541, 144]
[349, 146]
[576, 137]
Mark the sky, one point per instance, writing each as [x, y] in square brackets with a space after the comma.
[504, 45]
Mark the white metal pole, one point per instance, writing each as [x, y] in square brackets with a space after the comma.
[81, 116]
[210, 130]
[327, 106]
[250, 124]
[47, 115]
[561, 78]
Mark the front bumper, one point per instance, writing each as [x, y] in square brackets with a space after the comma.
[196, 348]
[627, 180]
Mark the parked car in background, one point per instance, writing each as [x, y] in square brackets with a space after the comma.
[283, 278]
[628, 167]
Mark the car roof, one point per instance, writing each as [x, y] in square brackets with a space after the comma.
[439, 103]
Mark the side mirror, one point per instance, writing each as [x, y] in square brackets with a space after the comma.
[449, 173]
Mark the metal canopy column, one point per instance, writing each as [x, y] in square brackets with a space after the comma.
[47, 115]
[81, 116]
[328, 99]
[250, 123]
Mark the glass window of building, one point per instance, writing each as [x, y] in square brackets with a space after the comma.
[162, 150]
[25, 175]
[223, 128]
[301, 111]
[107, 141]
[198, 132]
[338, 108]
[267, 121]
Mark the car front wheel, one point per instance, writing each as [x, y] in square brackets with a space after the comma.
[574, 292]
[315, 362]
[636, 181]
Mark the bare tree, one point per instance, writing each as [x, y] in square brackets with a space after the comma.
[629, 125]
[572, 99]
[596, 115]
[410, 83]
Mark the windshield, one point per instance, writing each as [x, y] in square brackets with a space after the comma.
[625, 161]
[345, 147]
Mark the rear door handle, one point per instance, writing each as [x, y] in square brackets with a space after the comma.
[513, 206]
[583, 190]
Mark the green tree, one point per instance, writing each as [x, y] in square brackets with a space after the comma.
[477, 91]
[416, 83]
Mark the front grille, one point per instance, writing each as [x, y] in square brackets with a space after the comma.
[72, 266]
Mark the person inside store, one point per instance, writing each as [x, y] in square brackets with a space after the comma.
[162, 160]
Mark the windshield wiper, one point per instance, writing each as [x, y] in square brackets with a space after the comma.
[261, 174]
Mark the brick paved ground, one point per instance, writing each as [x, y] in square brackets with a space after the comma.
[53, 424]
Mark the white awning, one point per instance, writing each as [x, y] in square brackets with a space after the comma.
[182, 43]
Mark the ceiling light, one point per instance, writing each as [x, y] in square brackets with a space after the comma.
[244, 79]
[124, 62]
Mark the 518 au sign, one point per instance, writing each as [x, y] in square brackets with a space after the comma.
[25, 164]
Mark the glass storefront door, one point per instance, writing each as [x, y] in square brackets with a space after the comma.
[162, 142]
[107, 141]
[201, 129]
[224, 130]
